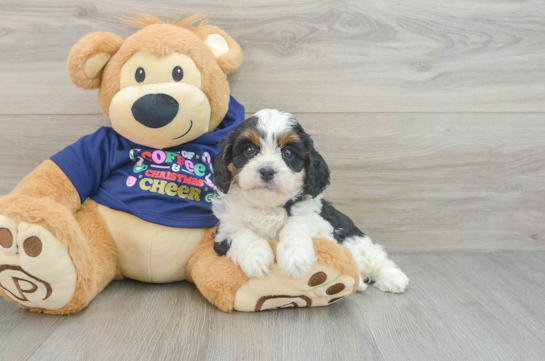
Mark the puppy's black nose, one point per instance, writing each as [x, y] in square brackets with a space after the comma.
[155, 110]
[267, 173]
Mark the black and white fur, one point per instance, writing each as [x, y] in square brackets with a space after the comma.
[267, 189]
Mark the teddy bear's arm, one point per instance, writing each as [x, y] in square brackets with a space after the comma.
[49, 181]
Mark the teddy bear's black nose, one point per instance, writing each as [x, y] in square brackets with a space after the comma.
[155, 110]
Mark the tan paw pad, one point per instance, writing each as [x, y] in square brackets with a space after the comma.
[8, 235]
[35, 268]
[322, 287]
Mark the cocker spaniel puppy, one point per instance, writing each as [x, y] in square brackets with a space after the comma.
[269, 183]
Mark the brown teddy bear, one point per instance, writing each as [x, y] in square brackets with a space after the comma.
[133, 200]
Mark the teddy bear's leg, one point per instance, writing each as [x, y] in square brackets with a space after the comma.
[51, 260]
[334, 276]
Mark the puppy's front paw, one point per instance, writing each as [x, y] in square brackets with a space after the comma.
[256, 259]
[295, 257]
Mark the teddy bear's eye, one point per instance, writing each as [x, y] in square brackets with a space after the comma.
[177, 73]
[140, 75]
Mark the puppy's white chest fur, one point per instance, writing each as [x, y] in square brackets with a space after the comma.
[267, 223]
[235, 213]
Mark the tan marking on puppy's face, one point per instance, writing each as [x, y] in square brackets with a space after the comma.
[236, 172]
[288, 137]
[231, 168]
[284, 181]
[252, 135]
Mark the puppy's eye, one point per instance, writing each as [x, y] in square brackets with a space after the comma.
[177, 73]
[250, 150]
[140, 75]
[287, 153]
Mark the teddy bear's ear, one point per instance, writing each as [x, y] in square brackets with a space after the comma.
[89, 56]
[225, 49]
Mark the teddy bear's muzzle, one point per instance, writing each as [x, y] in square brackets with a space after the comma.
[160, 115]
[155, 110]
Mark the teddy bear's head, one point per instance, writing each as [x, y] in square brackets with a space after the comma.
[164, 85]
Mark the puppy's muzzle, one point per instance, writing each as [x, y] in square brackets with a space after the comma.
[155, 110]
[267, 173]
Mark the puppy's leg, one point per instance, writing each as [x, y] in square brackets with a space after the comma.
[253, 254]
[295, 251]
[363, 286]
[375, 265]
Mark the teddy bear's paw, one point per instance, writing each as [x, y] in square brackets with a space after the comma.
[321, 286]
[35, 268]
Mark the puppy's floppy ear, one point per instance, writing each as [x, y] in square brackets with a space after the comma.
[226, 50]
[317, 171]
[222, 176]
[89, 56]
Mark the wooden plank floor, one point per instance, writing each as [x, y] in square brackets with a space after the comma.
[459, 306]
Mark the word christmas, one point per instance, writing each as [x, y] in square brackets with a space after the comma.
[183, 174]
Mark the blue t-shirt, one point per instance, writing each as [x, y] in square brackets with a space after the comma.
[171, 187]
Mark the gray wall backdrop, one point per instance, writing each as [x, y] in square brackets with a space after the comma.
[430, 115]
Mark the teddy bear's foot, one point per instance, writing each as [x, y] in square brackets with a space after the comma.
[323, 285]
[333, 276]
[35, 268]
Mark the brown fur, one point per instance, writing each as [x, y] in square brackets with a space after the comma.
[333, 255]
[158, 38]
[161, 40]
[47, 198]
[102, 259]
[216, 277]
[252, 135]
[219, 279]
[231, 168]
[234, 172]
[91, 45]
[288, 137]
[49, 181]
[230, 61]
[338, 257]
[94, 261]
[144, 20]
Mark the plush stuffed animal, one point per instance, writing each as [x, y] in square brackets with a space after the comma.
[133, 200]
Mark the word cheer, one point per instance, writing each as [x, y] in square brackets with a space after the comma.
[171, 189]
[187, 175]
